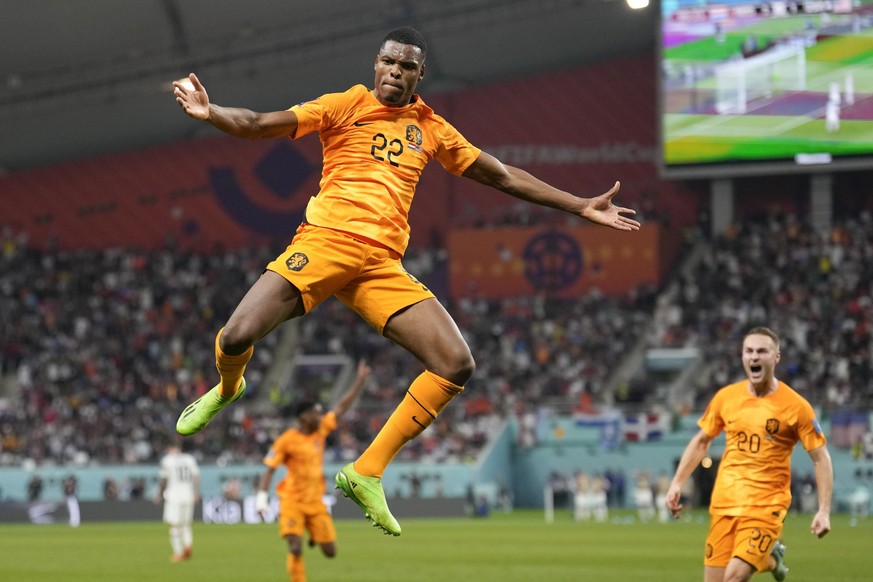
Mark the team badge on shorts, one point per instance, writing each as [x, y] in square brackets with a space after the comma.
[297, 261]
[772, 426]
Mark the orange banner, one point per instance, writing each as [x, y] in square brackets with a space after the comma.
[561, 262]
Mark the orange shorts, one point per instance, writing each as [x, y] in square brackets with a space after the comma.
[296, 518]
[367, 277]
[749, 538]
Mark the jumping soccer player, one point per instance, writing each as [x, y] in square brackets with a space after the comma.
[376, 143]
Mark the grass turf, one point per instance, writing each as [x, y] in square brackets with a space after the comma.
[518, 547]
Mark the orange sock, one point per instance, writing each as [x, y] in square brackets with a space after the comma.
[424, 400]
[296, 569]
[230, 368]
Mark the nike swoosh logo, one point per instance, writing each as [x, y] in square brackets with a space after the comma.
[360, 124]
[415, 420]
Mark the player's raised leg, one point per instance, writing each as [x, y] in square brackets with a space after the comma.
[269, 302]
[428, 332]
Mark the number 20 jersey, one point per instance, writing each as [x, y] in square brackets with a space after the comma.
[760, 435]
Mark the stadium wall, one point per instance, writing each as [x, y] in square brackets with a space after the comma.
[443, 480]
[448, 480]
[214, 510]
[563, 446]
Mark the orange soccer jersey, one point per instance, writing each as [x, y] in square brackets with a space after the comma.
[755, 471]
[373, 159]
[303, 457]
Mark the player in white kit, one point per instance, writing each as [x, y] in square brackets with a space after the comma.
[180, 491]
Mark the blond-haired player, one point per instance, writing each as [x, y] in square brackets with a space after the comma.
[763, 419]
[375, 143]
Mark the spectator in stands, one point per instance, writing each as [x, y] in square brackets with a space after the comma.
[110, 489]
[644, 498]
[34, 488]
[662, 486]
[352, 246]
[581, 498]
[597, 499]
[764, 419]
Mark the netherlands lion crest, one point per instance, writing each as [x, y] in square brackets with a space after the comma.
[772, 426]
[297, 261]
[413, 135]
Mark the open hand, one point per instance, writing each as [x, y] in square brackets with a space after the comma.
[601, 210]
[191, 95]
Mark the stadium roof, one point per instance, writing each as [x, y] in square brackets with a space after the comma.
[84, 78]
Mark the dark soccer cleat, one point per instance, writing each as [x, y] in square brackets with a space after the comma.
[781, 570]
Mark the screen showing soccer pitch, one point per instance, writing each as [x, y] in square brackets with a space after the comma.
[768, 87]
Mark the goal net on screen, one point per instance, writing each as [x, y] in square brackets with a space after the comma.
[765, 75]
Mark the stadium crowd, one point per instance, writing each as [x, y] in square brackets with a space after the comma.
[812, 287]
[106, 346]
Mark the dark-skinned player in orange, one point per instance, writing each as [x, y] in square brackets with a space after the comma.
[376, 142]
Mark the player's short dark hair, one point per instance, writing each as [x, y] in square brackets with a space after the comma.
[761, 330]
[407, 35]
[303, 407]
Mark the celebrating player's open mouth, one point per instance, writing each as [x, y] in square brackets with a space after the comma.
[755, 371]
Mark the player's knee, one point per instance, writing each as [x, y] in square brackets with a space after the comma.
[295, 547]
[235, 339]
[458, 366]
[465, 369]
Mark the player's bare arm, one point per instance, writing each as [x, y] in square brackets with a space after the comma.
[691, 457]
[262, 497]
[194, 100]
[348, 398]
[490, 171]
[824, 480]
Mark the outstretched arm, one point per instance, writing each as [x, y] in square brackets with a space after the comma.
[192, 97]
[691, 457]
[824, 481]
[348, 398]
[490, 171]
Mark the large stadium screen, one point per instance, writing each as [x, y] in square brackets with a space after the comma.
[768, 87]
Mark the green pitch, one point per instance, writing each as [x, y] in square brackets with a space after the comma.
[519, 547]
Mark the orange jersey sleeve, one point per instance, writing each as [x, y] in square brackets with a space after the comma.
[760, 436]
[303, 458]
[373, 159]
